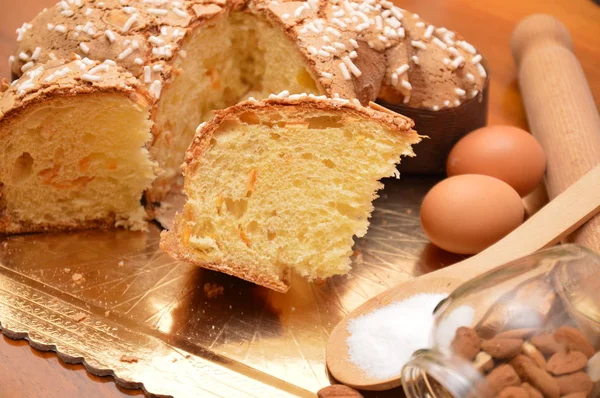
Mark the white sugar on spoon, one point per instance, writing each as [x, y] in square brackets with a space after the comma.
[382, 341]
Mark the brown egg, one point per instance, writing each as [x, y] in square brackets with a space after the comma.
[508, 153]
[467, 213]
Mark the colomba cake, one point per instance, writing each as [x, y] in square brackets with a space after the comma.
[191, 57]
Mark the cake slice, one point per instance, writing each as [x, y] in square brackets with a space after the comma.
[282, 185]
[73, 142]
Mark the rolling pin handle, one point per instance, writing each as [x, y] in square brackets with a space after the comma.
[561, 110]
[536, 28]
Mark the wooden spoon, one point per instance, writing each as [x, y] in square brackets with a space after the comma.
[551, 224]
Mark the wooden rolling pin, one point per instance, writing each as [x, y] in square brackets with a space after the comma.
[560, 108]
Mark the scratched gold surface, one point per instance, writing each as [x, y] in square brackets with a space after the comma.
[137, 301]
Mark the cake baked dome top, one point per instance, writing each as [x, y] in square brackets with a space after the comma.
[302, 104]
[356, 49]
[80, 76]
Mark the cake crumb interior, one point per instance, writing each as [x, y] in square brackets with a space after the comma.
[233, 57]
[276, 191]
[88, 164]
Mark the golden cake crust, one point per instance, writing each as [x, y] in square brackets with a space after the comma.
[354, 49]
[170, 244]
[301, 103]
[137, 37]
[55, 78]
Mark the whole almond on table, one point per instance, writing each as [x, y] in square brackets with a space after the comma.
[542, 380]
[466, 343]
[563, 363]
[501, 377]
[502, 348]
[576, 382]
[532, 391]
[547, 344]
[574, 340]
[338, 391]
[513, 392]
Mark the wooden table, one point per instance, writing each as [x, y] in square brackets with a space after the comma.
[27, 373]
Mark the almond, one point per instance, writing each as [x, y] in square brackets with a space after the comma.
[513, 392]
[574, 340]
[576, 395]
[502, 348]
[542, 380]
[563, 363]
[576, 382]
[533, 393]
[466, 343]
[547, 344]
[530, 351]
[338, 391]
[501, 377]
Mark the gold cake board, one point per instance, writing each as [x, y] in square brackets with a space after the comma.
[113, 301]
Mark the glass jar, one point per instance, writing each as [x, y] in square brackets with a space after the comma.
[530, 325]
